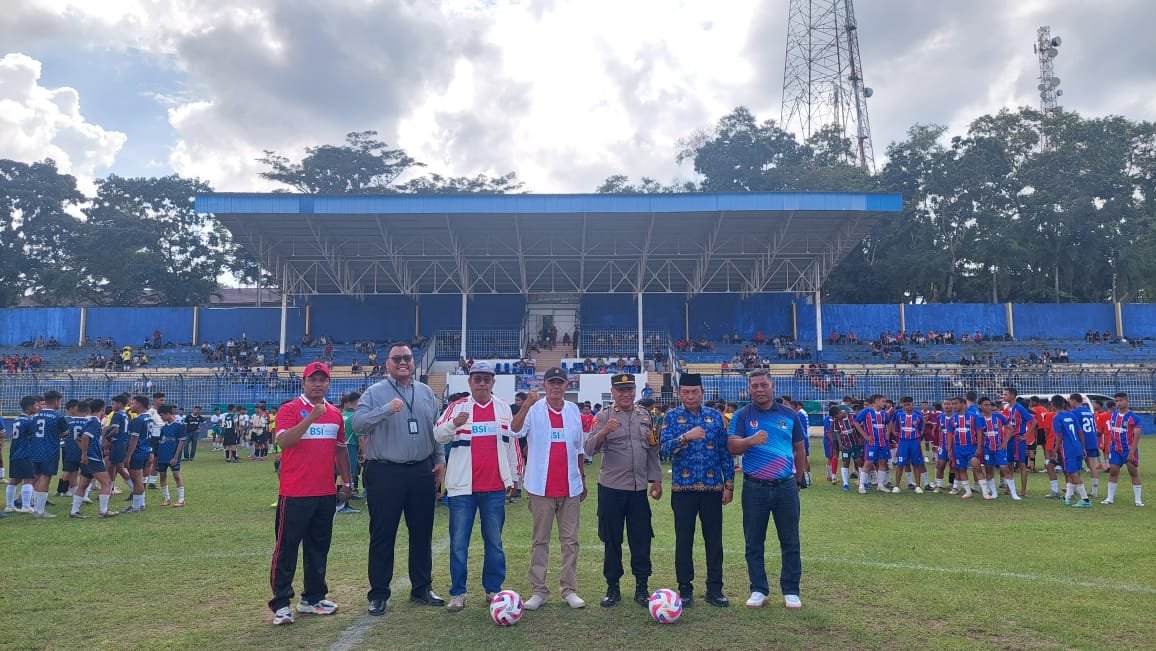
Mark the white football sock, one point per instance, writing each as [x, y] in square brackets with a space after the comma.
[104, 503]
[1011, 487]
[1096, 486]
[180, 493]
[1136, 493]
[1083, 492]
[39, 501]
[77, 500]
[939, 482]
[26, 495]
[10, 496]
[138, 501]
[908, 477]
[1111, 491]
[845, 473]
[165, 493]
[1069, 488]
[1055, 483]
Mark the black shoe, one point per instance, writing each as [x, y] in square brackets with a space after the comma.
[641, 595]
[428, 599]
[377, 607]
[613, 596]
[686, 594]
[717, 599]
[152, 486]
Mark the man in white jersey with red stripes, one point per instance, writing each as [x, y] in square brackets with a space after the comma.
[480, 472]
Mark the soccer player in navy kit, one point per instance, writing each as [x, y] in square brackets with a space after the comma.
[20, 473]
[48, 426]
[117, 436]
[168, 455]
[138, 452]
[89, 441]
[1071, 440]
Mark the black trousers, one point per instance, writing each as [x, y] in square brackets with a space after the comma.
[391, 491]
[689, 507]
[615, 508]
[305, 522]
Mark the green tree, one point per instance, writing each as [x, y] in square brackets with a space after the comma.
[363, 165]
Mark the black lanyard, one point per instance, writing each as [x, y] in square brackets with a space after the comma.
[412, 396]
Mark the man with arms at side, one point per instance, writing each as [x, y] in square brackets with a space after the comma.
[1086, 423]
[994, 427]
[702, 483]
[311, 434]
[555, 482]
[872, 423]
[138, 452]
[1070, 440]
[1124, 427]
[622, 433]
[769, 436]
[1019, 421]
[20, 472]
[49, 425]
[907, 424]
[479, 474]
[91, 442]
[168, 454]
[403, 469]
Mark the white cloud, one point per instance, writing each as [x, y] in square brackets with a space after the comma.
[38, 123]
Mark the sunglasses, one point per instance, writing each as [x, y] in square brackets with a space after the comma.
[397, 359]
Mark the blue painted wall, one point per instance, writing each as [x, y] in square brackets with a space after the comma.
[610, 312]
[131, 325]
[665, 313]
[256, 323]
[20, 324]
[347, 319]
[440, 312]
[495, 312]
[713, 315]
[1063, 321]
[1139, 319]
[986, 318]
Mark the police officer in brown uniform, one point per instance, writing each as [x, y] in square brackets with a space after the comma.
[624, 434]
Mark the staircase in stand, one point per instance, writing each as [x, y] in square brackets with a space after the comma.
[549, 358]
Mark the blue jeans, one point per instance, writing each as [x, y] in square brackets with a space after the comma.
[760, 503]
[492, 507]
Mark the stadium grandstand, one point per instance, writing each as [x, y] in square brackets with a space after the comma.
[651, 284]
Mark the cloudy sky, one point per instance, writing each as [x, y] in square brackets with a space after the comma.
[563, 92]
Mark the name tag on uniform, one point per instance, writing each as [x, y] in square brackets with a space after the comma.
[413, 427]
[556, 435]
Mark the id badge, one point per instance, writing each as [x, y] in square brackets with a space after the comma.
[413, 427]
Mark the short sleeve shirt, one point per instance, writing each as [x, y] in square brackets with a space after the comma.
[307, 467]
[774, 459]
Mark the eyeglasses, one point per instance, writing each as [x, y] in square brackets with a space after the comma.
[397, 359]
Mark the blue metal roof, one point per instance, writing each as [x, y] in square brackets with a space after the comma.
[539, 204]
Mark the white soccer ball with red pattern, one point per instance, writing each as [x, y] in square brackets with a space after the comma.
[506, 608]
[665, 606]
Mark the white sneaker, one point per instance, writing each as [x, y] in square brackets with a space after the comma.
[862, 490]
[11, 509]
[1139, 504]
[573, 600]
[1107, 502]
[535, 602]
[792, 601]
[43, 516]
[284, 615]
[323, 607]
[918, 490]
[757, 600]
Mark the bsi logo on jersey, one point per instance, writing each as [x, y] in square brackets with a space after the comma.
[323, 431]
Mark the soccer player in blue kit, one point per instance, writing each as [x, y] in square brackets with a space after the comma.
[907, 424]
[1086, 424]
[168, 455]
[961, 427]
[138, 452]
[1070, 440]
[48, 427]
[1019, 421]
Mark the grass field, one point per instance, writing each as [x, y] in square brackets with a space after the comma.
[894, 571]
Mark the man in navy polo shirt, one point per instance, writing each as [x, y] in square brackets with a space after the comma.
[769, 436]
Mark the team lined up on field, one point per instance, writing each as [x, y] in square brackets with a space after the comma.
[992, 441]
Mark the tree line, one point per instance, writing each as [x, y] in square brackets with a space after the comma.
[1023, 207]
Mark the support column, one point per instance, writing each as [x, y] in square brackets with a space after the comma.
[83, 326]
[196, 322]
[1011, 322]
[465, 302]
[1119, 320]
[819, 324]
[902, 317]
[641, 350]
[417, 317]
[686, 319]
[285, 316]
[794, 321]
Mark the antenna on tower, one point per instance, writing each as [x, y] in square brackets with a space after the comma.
[823, 75]
[1047, 48]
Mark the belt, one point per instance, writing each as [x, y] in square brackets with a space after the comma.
[769, 483]
[396, 463]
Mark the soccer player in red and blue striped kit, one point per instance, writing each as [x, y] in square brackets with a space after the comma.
[907, 424]
[994, 427]
[961, 428]
[871, 423]
[1124, 428]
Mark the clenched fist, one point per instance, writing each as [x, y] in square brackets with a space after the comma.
[461, 418]
[395, 405]
[610, 426]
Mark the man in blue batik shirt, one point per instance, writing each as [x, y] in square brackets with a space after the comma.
[702, 482]
[770, 438]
